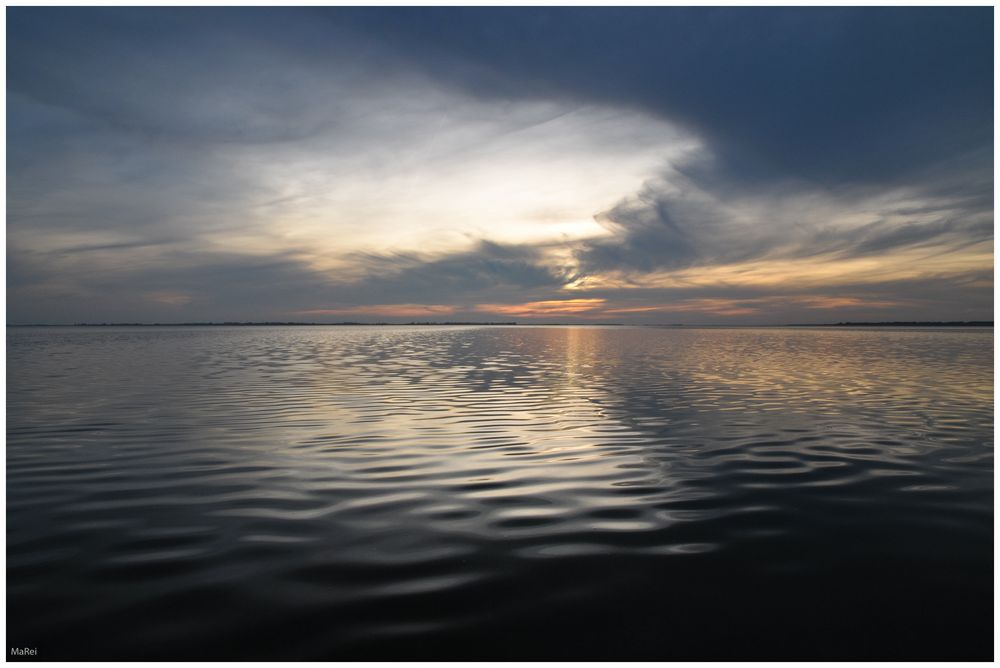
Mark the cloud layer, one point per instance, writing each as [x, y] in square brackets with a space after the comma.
[647, 165]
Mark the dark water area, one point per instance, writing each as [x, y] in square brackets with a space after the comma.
[499, 493]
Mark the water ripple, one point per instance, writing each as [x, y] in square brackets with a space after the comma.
[491, 493]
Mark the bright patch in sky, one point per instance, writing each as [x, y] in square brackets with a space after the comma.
[654, 165]
[463, 170]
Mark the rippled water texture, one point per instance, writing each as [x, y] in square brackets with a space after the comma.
[498, 493]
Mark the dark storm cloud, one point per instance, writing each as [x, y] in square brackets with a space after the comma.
[826, 94]
[830, 94]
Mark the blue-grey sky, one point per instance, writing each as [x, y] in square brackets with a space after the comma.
[672, 165]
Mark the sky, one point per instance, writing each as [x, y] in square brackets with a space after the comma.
[636, 165]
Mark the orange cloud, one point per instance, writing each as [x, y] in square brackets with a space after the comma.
[389, 310]
[546, 308]
[170, 297]
[600, 308]
[822, 302]
[713, 306]
[819, 272]
[754, 305]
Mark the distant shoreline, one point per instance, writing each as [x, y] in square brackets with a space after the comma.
[262, 324]
[950, 323]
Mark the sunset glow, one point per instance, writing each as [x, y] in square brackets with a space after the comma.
[341, 171]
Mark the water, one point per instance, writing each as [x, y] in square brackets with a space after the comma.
[500, 493]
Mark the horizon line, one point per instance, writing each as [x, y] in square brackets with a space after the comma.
[270, 323]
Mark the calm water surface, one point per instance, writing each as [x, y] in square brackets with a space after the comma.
[498, 493]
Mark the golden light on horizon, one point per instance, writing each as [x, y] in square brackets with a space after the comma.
[386, 310]
[563, 307]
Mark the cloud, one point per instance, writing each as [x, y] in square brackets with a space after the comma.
[489, 269]
[678, 222]
[388, 310]
[180, 285]
[548, 308]
[587, 163]
[829, 94]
